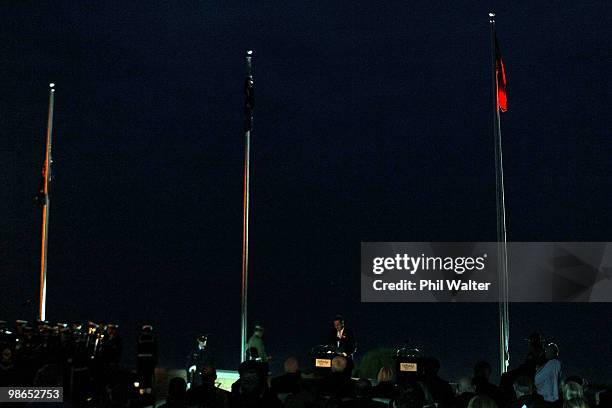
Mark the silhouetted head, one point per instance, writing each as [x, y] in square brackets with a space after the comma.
[209, 375]
[482, 401]
[482, 370]
[431, 366]
[551, 350]
[363, 388]
[6, 356]
[177, 389]
[523, 385]
[535, 339]
[411, 396]
[48, 375]
[252, 378]
[338, 364]
[291, 365]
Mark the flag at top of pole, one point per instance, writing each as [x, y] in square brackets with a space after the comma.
[500, 73]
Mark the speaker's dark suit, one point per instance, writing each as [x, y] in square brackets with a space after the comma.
[345, 344]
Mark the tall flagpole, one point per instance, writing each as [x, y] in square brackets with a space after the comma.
[42, 310]
[248, 122]
[502, 247]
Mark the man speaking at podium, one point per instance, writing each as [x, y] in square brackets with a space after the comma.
[342, 342]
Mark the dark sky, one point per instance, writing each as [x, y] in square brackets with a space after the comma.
[372, 123]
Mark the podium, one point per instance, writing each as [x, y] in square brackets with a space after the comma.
[321, 357]
[408, 364]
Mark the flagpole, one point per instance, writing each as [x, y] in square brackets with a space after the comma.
[248, 121]
[42, 311]
[502, 247]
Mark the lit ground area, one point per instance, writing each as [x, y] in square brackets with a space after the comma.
[225, 379]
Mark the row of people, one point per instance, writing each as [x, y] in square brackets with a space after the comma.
[337, 389]
[25, 348]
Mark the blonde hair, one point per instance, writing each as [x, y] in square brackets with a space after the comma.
[571, 390]
[384, 374]
[575, 403]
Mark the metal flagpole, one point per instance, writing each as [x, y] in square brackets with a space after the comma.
[248, 122]
[42, 311]
[502, 247]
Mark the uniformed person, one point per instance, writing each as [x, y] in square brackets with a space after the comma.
[196, 361]
[256, 347]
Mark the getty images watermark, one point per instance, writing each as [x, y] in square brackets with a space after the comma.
[469, 271]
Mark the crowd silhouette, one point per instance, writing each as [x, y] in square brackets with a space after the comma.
[85, 361]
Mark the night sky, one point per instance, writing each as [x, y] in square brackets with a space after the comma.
[372, 123]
